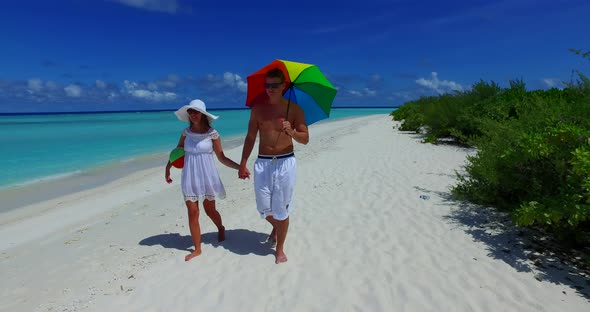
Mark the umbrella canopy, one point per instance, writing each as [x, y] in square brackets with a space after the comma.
[308, 87]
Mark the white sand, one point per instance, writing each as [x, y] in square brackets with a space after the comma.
[360, 239]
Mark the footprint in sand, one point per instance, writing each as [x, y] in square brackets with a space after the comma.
[71, 241]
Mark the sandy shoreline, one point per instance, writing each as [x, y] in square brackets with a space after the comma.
[360, 239]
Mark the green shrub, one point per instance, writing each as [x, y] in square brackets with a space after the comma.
[535, 164]
[533, 149]
[412, 114]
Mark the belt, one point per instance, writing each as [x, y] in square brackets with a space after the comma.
[276, 156]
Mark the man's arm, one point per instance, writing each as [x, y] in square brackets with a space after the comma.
[299, 133]
[249, 141]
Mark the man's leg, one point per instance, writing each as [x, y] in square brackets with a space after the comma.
[282, 197]
[272, 237]
[262, 183]
[282, 226]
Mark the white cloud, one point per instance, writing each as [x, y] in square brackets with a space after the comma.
[130, 85]
[152, 86]
[101, 84]
[51, 85]
[73, 90]
[370, 92]
[135, 90]
[439, 86]
[363, 92]
[167, 6]
[553, 83]
[235, 80]
[168, 84]
[403, 95]
[171, 82]
[35, 84]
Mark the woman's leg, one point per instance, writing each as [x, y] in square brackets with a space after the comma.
[193, 224]
[210, 210]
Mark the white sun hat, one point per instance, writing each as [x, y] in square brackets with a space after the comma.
[198, 105]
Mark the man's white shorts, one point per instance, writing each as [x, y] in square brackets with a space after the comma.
[274, 182]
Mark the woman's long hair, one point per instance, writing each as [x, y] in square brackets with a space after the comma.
[204, 121]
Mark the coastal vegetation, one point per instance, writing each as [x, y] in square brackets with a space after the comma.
[532, 150]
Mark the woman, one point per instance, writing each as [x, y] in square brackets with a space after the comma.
[200, 178]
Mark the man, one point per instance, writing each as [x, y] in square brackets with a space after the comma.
[279, 123]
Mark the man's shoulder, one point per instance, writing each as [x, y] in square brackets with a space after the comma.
[256, 112]
[254, 109]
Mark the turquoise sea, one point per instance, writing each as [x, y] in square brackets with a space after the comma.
[36, 148]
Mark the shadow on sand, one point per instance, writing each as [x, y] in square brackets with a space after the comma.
[238, 241]
[523, 249]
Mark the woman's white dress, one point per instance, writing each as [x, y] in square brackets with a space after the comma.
[200, 178]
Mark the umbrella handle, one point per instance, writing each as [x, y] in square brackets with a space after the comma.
[289, 100]
[288, 104]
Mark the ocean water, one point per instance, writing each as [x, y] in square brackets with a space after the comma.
[36, 148]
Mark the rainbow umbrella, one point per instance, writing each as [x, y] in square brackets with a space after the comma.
[308, 87]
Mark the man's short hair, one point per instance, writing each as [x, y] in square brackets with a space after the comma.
[276, 73]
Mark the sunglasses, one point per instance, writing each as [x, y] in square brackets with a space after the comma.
[192, 111]
[273, 85]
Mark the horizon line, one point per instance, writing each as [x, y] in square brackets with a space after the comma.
[152, 111]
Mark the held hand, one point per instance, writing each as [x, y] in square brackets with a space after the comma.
[287, 128]
[243, 173]
[167, 177]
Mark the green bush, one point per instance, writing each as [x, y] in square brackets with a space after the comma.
[533, 150]
[535, 163]
[412, 114]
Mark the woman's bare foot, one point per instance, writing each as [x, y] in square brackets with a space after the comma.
[280, 257]
[192, 255]
[221, 234]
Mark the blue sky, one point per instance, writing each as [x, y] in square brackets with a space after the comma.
[81, 55]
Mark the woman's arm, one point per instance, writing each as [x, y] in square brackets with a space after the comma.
[167, 174]
[221, 156]
[169, 164]
[243, 172]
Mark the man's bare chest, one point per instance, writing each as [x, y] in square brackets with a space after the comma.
[271, 119]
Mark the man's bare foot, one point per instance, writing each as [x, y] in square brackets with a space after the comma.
[221, 234]
[280, 257]
[272, 240]
[192, 255]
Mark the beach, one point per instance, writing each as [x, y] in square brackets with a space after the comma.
[361, 238]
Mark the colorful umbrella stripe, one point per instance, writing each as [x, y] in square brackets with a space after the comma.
[309, 88]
